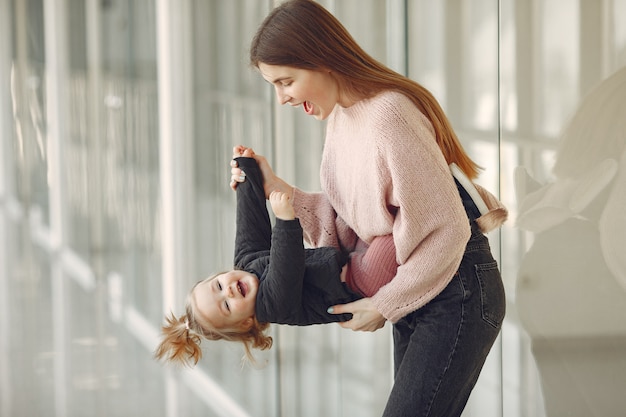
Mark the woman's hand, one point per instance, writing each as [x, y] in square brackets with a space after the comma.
[365, 317]
[271, 182]
[236, 174]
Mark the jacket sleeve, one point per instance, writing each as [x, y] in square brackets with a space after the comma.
[284, 278]
[253, 227]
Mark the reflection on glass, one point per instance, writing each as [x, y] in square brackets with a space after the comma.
[571, 288]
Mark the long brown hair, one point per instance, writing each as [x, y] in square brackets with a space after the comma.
[302, 34]
[181, 336]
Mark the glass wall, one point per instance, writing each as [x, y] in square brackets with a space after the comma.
[117, 122]
[563, 97]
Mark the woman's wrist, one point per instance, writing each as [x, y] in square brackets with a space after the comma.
[278, 184]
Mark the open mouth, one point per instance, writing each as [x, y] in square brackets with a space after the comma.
[242, 288]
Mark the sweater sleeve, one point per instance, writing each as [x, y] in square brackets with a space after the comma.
[321, 225]
[430, 226]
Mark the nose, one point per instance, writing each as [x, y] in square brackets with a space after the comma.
[282, 98]
[229, 292]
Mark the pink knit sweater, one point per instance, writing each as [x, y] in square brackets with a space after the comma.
[383, 173]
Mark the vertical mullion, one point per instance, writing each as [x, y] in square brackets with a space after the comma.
[169, 209]
[56, 111]
[500, 341]
[591, 53]
[6, 162]
[56, 67]
[397, 36]
[175, 110]
[94, 142]
[527, 58]
[6, 174]
[453, 65]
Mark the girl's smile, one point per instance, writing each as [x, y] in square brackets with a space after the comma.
[228, 299]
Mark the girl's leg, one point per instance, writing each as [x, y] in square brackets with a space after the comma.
[371, 267]
[253, 230]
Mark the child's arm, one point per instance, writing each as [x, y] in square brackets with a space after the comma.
[281, 205]
[284, 277]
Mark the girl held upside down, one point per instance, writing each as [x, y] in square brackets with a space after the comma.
[275, 279]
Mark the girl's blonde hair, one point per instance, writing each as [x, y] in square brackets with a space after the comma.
[181, 336]
[302, 34]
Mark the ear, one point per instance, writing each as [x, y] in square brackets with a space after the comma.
[247, 324]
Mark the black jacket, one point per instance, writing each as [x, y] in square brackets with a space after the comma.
[297, 285]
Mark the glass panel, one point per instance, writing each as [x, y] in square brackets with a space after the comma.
[559, 61]
[565, 349]
[127, 117]
[28, 102]
[453, 52]
[86, 362]
[26, 324]
[618, 37]
[351, 371]
[232, 106]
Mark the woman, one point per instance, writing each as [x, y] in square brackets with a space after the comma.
[385, 169]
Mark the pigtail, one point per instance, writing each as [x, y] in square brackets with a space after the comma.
[180, 343]
[252, 338]
[256, 338]
[181, 336]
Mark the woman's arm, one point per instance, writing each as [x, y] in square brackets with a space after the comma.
[429, 224]
[365, 315]
[321, 225]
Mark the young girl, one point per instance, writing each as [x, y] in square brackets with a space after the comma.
[275, 280]
[385, 169]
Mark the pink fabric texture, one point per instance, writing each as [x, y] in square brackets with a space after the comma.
[382, 173]
[371, 267]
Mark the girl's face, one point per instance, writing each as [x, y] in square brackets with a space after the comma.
[227, 301]
[317, 91]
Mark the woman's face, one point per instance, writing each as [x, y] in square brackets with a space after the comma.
[227, 301]
[317, 91]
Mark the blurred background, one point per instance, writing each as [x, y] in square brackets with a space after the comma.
[117, 121]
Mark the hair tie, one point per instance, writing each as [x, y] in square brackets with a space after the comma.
[186, 324]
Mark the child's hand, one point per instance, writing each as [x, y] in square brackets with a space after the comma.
[281, 205]
[237, 174]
